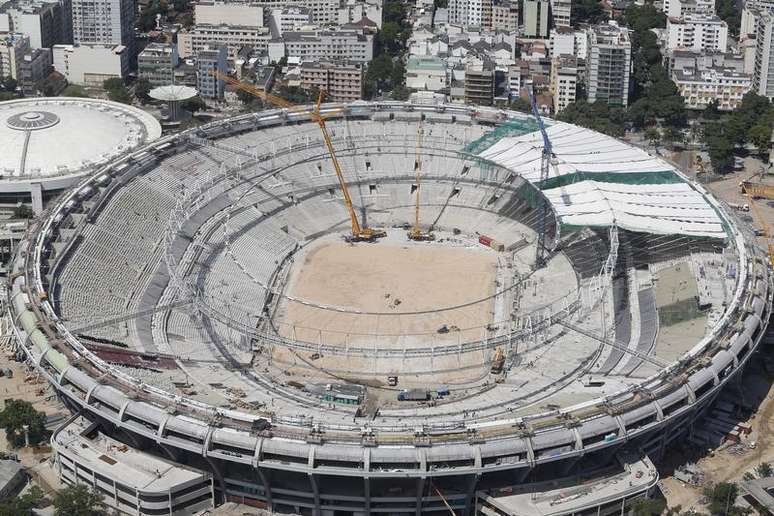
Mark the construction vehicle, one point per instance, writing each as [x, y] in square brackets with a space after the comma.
[765, 229]
[416, 232]
[359, 233]
[757, 190]
[414, 395]
[498, 362]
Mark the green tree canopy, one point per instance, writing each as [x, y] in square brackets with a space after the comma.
[16, 415]
[78, 500]
[22, 505]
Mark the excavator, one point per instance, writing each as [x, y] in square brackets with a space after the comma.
[359, 233]
[416, 232]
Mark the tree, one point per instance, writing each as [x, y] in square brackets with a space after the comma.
[142, 90]
[764, 470]
[672, 136]
[520, 104]
[9, 84]
[75, 90]
[721, 499]
[78, 500]
[760, 136]
[193, 104]
[653, 135]
[648, 507]
[117, 91]
[22, 505]
[728, 11]
[587, 11]
[15, 416]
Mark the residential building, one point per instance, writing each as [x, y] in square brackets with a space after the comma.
[91, 65]
[697, 32]
[342, 82]
[35, 68]
[763, 74]
[751, 10]
[323, 11]
[724, 86]
[13, 46]
[289, 19]
[108, 23]
[470, 13]
[608, 65]
[426, 73]
[505, 16]
[536, 20]
[328, 45]
[564, 40]
[233, 37]
[479, 82]
[352, 11]
[157, 62]
[561, 12]
[680, 8]
[210, 59]
[217, 12]
[47, 23]
[564, 81]
[679, 59]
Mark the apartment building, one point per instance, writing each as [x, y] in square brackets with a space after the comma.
[608, 65]
[104, 22]
[35, 68]
[479, 82]
[564, 81]
[91, 65]
[211, 58]
[536, 19]
[561, 13]
[342, 82]
[763, 73]
[328, 45]
[13, 46]
[46, 23]
[470, 13]
[157, 62]
[352, 11]
[217, 12]
[680, 8]
[426, 73]
[697, 32]
[289, 19]
[724, 86]
[233, 37]
[505, 16]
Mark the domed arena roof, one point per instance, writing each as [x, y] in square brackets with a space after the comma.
[54, 141]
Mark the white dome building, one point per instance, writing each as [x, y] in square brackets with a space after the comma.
[48, 144]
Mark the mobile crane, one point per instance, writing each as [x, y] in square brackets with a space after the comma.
[416, 232]
[359, 233]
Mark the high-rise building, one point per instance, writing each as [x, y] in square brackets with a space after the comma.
[763, 82]
[723, 86]
[210, 59]
[13, 46]
[561, 12]
[679, 8]
[35, 68]
[216, 12]
[156, 63]
[608, 64]
[564, 81]
[505, 16]
[535, 14]
[47, 23]
[470, 13]
[697, 32]
[750, 12]
[91, 65]
[104, 22]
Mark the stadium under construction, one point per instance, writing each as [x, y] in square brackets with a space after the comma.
[564, 317]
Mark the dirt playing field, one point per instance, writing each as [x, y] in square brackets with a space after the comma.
[389, 279]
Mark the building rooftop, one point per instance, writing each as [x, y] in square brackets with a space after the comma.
[127, 465]
[8, 471]
[425, 63]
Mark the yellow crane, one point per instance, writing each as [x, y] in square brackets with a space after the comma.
[359, 233]
[416, 232]
[765, 228]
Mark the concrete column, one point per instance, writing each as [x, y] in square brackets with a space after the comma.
[36, 191]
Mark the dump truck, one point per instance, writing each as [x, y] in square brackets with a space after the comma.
[414, 395]
[498, 362]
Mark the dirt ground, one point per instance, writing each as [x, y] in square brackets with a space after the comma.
[392, 279]
[389, 279]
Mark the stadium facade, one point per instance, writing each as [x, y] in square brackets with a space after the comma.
[143, 260]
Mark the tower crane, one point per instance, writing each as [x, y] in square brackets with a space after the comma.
[416, 232]
[359, 233]
[545, 163]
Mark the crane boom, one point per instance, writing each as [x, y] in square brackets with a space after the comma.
[416, 232]
[359, 233]
[545, 162]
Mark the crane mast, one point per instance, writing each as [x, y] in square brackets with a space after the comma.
[545, 163]
[359, 233]
[416, 232]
